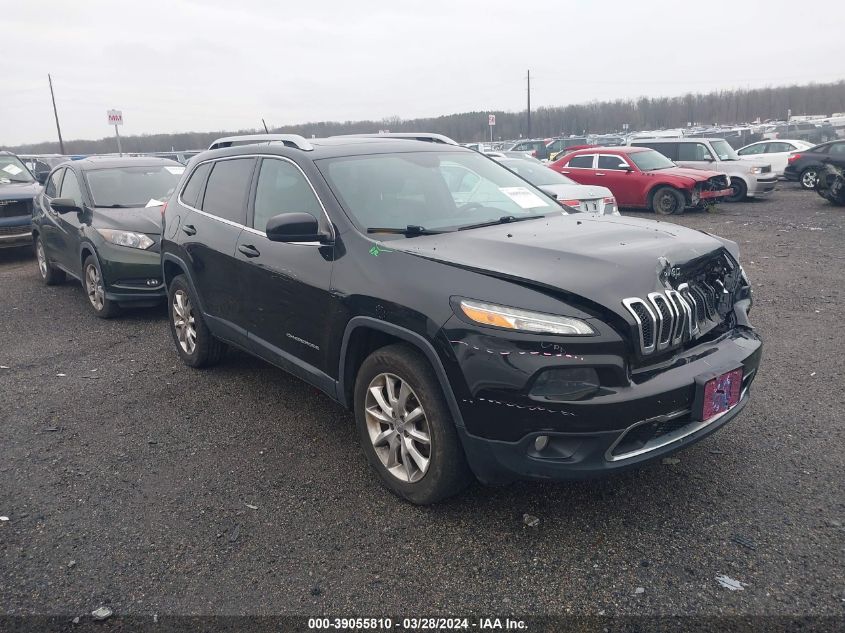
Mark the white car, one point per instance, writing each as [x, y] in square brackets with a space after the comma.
[773, 151]
[585, 198]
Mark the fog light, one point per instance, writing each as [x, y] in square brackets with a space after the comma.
[573, 383]
[541, 442]
[152, 282]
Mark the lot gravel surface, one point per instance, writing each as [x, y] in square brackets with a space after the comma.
[132, 481]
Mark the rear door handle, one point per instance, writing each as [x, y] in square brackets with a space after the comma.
[249, 250]
[189, 229]
[599, 174]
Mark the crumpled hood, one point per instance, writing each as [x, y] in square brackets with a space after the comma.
[138, 219]
[696, 175]
[603, 259]
[19, 190]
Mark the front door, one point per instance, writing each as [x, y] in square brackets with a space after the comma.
[696, 156]
[614, 172]
[285, 286]
[68, 235]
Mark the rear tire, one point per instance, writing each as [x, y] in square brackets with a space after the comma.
[50, 275]
[809, 177]
[406, 431]
[195, 343]
[666, 201]
[739, 190]
[95, 289]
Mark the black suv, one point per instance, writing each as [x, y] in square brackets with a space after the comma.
[473, 327]
[18, 189]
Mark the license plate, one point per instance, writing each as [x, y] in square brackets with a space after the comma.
[721, 393]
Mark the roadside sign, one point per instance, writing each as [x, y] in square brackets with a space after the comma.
[491, 120]
[115, 117]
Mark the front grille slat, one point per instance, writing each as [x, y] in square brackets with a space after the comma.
[15, 208]
[683, 312]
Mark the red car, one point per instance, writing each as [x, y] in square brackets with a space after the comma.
[644, 178]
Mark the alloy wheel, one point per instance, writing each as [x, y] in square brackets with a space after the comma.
[667, 203]
[809, 178]
[183, 322]
[398, 427]
[42, 259]
[94, 287]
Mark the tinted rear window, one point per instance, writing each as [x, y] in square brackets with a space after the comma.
[190, 194]
[225, 193]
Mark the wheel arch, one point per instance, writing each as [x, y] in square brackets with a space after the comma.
[363, 335]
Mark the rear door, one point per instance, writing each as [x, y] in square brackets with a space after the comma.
[209, 234]
[581, 169]
[285, 286]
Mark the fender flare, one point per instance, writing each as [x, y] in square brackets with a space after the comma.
[408, 336]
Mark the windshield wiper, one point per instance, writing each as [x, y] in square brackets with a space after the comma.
[409, 231]
[505, 219]
[115, 206]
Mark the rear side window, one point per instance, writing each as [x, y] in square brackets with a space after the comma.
[282, 189]
[54, 184]
[226, 191]
[837, 148]
[190, 194]
[584, 161]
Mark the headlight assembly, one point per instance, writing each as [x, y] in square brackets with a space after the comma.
[126, 238]
[523, 320]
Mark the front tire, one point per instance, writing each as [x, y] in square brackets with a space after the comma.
[195, 343]
[809, 177]
[405, 428]
[739, 190]
[95, 289]
[667, 201]
[50, 275]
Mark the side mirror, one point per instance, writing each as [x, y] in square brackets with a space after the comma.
[294, 227]
[64, 205]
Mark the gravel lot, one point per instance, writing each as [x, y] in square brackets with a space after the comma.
[132, 481]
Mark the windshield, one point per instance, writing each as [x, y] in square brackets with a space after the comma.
[433, 190]
[650, 160]
[536, 172]
[133, 186]
[13, 170]
[723, 150]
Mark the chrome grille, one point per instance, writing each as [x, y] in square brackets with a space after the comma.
[671, 317]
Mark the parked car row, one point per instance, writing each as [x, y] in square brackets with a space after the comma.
[473, 324]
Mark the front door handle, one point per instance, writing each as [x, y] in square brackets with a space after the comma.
[249, 250]
[563, 171]
[599, 174]
[189, 229]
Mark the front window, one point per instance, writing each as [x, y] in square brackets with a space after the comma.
[723, 150]
[13, 170]
[650, 160]
[119, 187]
[759, 148]
[431, 190]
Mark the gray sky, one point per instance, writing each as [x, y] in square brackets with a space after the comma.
[182, 65]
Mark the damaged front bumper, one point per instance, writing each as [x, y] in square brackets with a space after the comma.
[637, 415]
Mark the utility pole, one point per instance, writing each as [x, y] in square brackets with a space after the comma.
[528, 135]
[56, 114]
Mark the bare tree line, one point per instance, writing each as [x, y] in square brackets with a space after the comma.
[723, 107]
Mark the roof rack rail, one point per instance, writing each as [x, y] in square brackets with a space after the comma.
[414, 136]
[290, 140]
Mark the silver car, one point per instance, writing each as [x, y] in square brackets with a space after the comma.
[749, 179]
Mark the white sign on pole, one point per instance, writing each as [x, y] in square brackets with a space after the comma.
[491, 120]
[115, 117]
